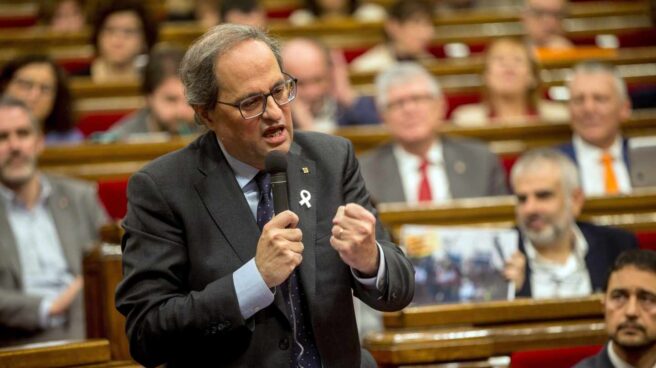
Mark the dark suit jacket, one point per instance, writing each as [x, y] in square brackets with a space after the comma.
[189, 227]
[77, 214]
[604, 245]
[568, 149]
[601, 360]
[471, 170]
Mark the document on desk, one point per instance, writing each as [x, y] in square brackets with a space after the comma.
[459, 264]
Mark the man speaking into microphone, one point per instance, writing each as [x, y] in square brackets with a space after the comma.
[213, 276]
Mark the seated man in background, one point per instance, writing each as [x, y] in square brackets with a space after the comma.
[598, 105]
[564, 257]
[249, 12]
[543, 24]
[630, 309]
[422, 165]
[166, 112]
[47, 224]
[325, 97]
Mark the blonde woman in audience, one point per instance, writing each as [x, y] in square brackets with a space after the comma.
[336, 9]
[123, 34]
[43, 86]
[511, 91]
[408, 31]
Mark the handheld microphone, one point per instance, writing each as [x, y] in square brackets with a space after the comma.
[275, 164]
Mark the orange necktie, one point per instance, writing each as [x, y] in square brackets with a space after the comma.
[610, 180]
[424, 185]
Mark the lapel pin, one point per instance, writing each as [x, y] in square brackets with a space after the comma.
[305, 198]
[305, 170]
[460, 167]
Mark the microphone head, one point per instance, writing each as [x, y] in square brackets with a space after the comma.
[275, 162]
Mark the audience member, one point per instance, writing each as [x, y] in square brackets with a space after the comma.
[543, 23]
[325, 97]
[630, 313]
[43, 86]
[561, 257]
[47, 224]
[207, 13]
[123, 34]
[63, 15]
[408, 31]
[421, 164]
[511, 90]
[249, 12]
[598, 105]
[327, 10]
[166, 111]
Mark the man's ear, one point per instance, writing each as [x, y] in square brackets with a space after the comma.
[578, 199]
[203, 115]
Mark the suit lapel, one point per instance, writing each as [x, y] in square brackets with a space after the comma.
[455, 169]
[60, 207]
[388, 168]
[301, 179]
[595, 259]
[8, 247]
[224, 199]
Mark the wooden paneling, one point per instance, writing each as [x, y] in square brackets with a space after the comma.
[56, 354]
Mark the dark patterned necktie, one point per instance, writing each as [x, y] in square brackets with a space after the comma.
[304, 351]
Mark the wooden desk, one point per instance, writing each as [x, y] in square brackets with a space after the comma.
[393, 348]
[88, 353]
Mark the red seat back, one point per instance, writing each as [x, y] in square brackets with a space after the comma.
[113, 195]
[552, 358]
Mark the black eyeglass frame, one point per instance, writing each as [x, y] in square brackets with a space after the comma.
[265, 98]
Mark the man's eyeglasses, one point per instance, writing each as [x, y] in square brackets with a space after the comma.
[254, 106]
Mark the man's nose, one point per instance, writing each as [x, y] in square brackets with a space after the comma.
[272, 111]
[631, 306]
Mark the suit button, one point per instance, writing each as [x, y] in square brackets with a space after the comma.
[283, 344]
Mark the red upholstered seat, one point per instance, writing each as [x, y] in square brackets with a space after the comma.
[112, 193]
[99, 121]
[647, 239]
[552, 358]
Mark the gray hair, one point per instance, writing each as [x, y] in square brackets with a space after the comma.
[598, 67]
[401, 73]
[197, 70]
[8, 102]
[530, 160]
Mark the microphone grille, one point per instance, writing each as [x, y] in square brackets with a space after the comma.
[275, 162]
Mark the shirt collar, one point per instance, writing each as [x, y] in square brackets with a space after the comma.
[580, 246]
[434, 155]
[10, 198]
[244, 173]
[590, 152]
[615, 359]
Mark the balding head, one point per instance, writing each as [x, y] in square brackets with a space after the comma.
[309, 61]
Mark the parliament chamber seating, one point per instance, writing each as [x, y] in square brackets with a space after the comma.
[552, 358]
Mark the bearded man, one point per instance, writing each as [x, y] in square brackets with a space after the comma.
[560, 257]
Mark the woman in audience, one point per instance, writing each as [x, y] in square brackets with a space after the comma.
[63, 15]
[166, 112]
[123, 35]
[43, 86]
[336, 9]
[511, 91]
[408, 30]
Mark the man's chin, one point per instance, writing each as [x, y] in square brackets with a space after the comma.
[15, 180]
[634, 342]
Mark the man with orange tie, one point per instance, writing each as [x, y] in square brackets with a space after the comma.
[599, 103]
[421, 164]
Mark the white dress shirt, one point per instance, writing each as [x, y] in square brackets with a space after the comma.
[615, 359]
[592, 170]
[555, 280]
[411, 174]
